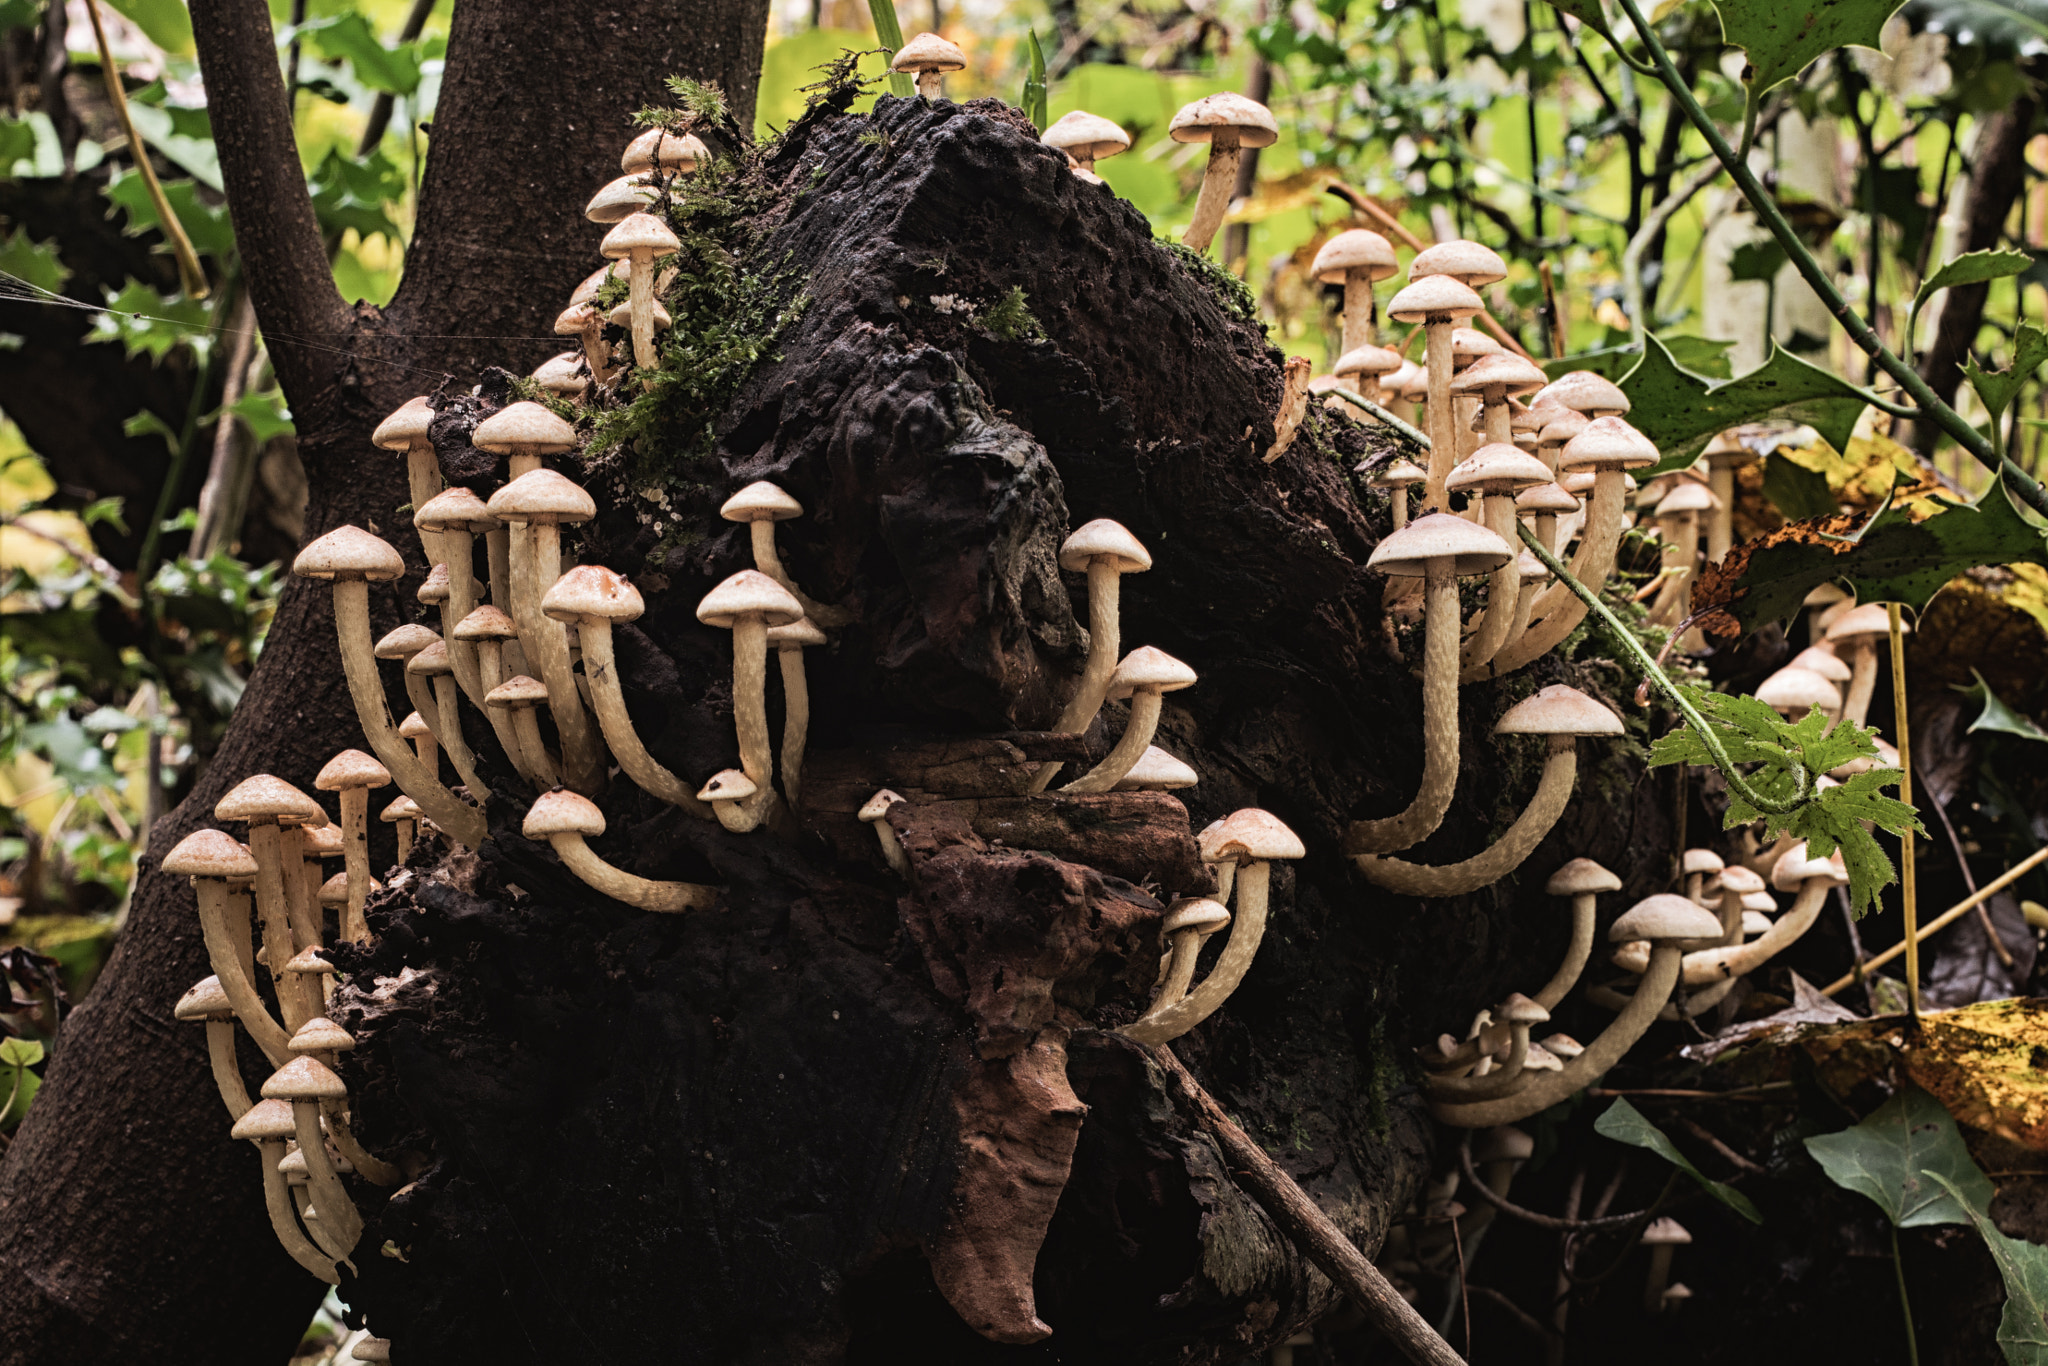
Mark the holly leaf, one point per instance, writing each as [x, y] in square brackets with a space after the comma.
[1993, 714]
[1625, 1124]
[1971, 268]
[349, 37]
[2023, 1266]
[1701, 355]
[1796, 491]
[1759, 260]
[1780, 39]
[206, 224]
[148, 324]
[1888, 558]
[1680, 410]
[1998, 388]
[27, 259]
[1909, 1159]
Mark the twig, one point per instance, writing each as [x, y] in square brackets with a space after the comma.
[1516, 1312]
[1706, 1136]
[1949, 916]
[190, 276]
[1857, 960]
[1358, 400]
[1653, 226]
[1675, 1093]
[1955, 843]
[1530, 1216]
[1464, 1283]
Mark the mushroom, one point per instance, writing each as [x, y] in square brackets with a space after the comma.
[1583, 391]
[591, 597]
[747, 604]
[1697, 865]
[1356, 259]
[308, 1083]
[372, 1349]
[208, 1003]
[1398, 476]
[1439, 548]
[457, 516]
[274, 810]
[1549, 505]
[1491, 379]
[1363, 366]
[1145, 676]
[726, 792]
[622, 316]
[1105, 552]
[415, 728]
[354, 774]
[315, 974]
[1725, 455]
[564, 374]
[622, 198]
[1822, 659]
[401, 644]
[928, 57]
[1738, 884]
[1661, 1237]
[640, 238]
[1793, 692]
[437, 667]
[875, 811]
[1828, 602]
[1496, 473]
[406, 430]
[541, 501]
[210, 858]
[1796, 871]
[583, 322]
[402, 814]
[674, 153]
[1251, 839]
[487, 631]
[517, 696]
[1519, 1014]
[1186, 924]
[1086, 139]
[1437, 302]
[1678, 521]
[523, 433]
[760, 506]
[1228, 122]
[1582, 880]
[564, 819]
[1557, 433]
[1157, 771]
[1860, 628]
[350, 558]
[268, 1124]
[1561, 713]
[789, 642]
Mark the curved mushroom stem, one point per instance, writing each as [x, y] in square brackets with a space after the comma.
[274, 910]
[768, 560]
[277, 1200]
[608, 700]
[1549, 1088]
[1439, 726]
[1503, 1081]
[1443, 414]
[1358, 315]
[536, 564]
[402, 831]
[1180, 971]
[620, 885]
[352, 625]
[1130, 747]
[302, 908]
[1575, 955]
[1713, 965]
[1247, 928]
[1504, 855]
[227, 964]
[749, 699]
[498, 558]
[539, 764]
[423, 474]
[449, 730]
[1680, 550]
[796, 720]
[367, 1164]
[490, 667]
[355, 861]
[1721, 522]
[227, 1074]
[640, 297]
[1104, 646]
[337, 1212]
[427, 748]
[460, 602]
[892, 848]
[1862, 680]
[1219, 183]
[1604, 523]
[1503, 591]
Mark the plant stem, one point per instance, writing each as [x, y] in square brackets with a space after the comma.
[1358, 400]
[1700, 725]
[1905, 1305]
[191, 278]
[1908, 874]
[1815, 275]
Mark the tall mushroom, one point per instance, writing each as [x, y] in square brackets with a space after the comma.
[488, 631]
[268, 1124]
[1228, 122]
[307, 1083]
[564, 820]
[210, 858]
[428, 750]
[402, 814]
[1495, 474]
[1397, 476]
[1086, 139]
[1561, 713]
[208, 1004]
[759, 506]
[401, 644]
[1582, 880]
[350, 559]
[1105, 552]
[1145, 676]
[457, 517]
[354, 775]
[405, 429]
[1678, 522]
[747, 604]
[928, 57]
[436, 665]
[641, 238]
[1860, 628]
[789, 643]
[274, 810]
[1440, 548]
[1726, 455]
[1356, 258]
[1187, 923]
[1438, 303]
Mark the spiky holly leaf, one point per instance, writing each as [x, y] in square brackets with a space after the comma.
[1998, 388]
[1780, 39]
[1680, 411]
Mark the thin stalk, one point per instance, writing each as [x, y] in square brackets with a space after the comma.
[1905, 1305]
[1373, 410]
[1811, 270]
[1908, 874]
[190, 277]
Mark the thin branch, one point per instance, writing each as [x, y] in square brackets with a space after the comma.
[1530, 1216]
[190, 276]
[380, 109]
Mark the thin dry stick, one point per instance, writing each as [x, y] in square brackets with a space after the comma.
[1909, 876]
[1371, 209]
[190, 275]
[1955, 844]
[1297, 1215]
[1949, 916]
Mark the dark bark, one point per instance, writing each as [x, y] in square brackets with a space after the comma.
[131, 1227]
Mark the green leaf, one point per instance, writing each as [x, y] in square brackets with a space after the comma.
[159, 128]
[1796, 491]
[349, 37]
[26, 259]
[146, 423]
[20, 1052]
[1759, 260]
[167, 22]
[1971, 268]
[148, 324]
[1995, 715]
[1780, 39]
[1592, 13]
[17, 140]
[1998, 388]
[1680, 410]
[264, 414]
[350, 193]
[1034, 84]
[206, 224]
[1625, 1124]
[1697, 354]
[1891, 1156]
[2023, 1266]
[890, 34]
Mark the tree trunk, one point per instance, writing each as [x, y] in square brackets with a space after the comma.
[131, 1227]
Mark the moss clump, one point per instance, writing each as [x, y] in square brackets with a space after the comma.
[1009, 318]
[1235, 296]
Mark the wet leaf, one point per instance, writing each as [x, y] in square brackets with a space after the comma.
[1680, 410]
[1625, 1124]
[1890, 1156]
[2023, 1266]
[1780, 39]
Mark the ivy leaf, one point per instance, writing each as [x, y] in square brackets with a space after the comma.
[1780, 39]
[148, 324]
[1995, 715]
[2023, 1266]
[1909, 1159]
[27, 259]
[1680, 410]
[264, 414]
[1998, 388]
[1971, 268]
[1625, 1124]
[349, 37]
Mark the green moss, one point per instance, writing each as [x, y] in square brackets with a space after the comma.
[698, 104]
[1010, 319]
[1232, 293]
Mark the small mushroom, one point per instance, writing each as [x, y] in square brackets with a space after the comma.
[1356, 259]
[208, 1004]
[436, 665]
[307, 1083]
[1550, 506]
[415, 728]
[1582, 880]
[1363, 367]
[928, 57]
[354, 775]
[542, 502]
[1397, 476]
[789, 643]
[1860, 628]
[1492, 380]
[1437, 302]
[564, 819]
[1725, 456]
[641, 238]
[1186, 924]
[875, 811]
[489, 632]
[1519, 1014]
[760, 506]
[210, 858]
[1228, 122]
[564, 374]
[406, 430]
[1697, 865]
[372, 1349]
[1662, 1237]
[1145, 676]
[401, 645]
[1583, 391]
[268, 1124]
[747, 604]
[1157, 771]
[1738, 884]
[1495, 473]
[1678, 521]
[1105, 552]
[457, 517]
[674, 153]
[726, 792]
[402, 814]
[622, 198]
[582, 321]
[1793, 692]
[274, 810]
[1796, 871]
[1086, 139]
[516, 697]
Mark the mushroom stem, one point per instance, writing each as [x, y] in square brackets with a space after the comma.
[402, 831]
[930, 84]
[1503, 590]
[460, 602]
[355, 861]
[275, 912]
[1130, 747]
[768, 560]
[749, 697]
[227, 1074]
[1443, 415]
[640, 286]
[1180, 970]
[1659, 1277]
[490, 667]
[1721, 523]
[1439, 725]
[498, 563]
[1504, 855]
[540, 764]
[537, 563]
[337, 1212]
[423, 474]
[1549, 1088]
[1247, 928]
[1592, 565]
[227, 964]
[352, 625]
[1359, 313]
[302, 909]
[1862, 680]
[1575, 954]
[1104, 649]
[620, 885]
[1735, 960]
[1400, 506]
[367, 1164]
[1500, 1082]
[447, 708]
[277, 1200]
[1680, 550]
[1219, 183]
[608, 700]
[796, 719]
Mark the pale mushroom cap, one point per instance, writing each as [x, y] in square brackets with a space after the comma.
[1585, 392]
[1472, 548]
[1558, 710]
[562, 813]
[1754, 923]
[1548, 497]
[486, 623]
[1826, 663]
[1740, 880]
[622, 315]
[1468, 263]
[349, 553]
[518, 690]
[1870, 619]
[542, 496]
[1149, 668]
[1519, 1009]
[263, 797]
[670, 151]
[620, 199]
[310, 963]
[1701, 861]
[321, 1035]
[732, 785]
[591, 590]
[1564, 1046]
[928, 52]
[1103, 537]
[1506, 1143]
[1667, 1232]
[1355, 249]
[1796, 866]
[1608, 443]
[1195, 913]
[403, 642]
[304, 1079]
[1665, 916]
[746, 594]
[1198, 122]
[1086, 137]
[1156, 769]
[1504, 371]
[455, 509]
[557, 375]
[1400, 474]
[415, 727]
[1529, 567]
[434, 591]
[800, 634]
[1499, 468]
[639, 234]
[400, 809]
[1524, 420]
[334, 891]
[431, 662]
[205, 1001]
[406, 424]
[1367, 360]
[1411, 381]
[1541, 1059]
[320, 841]
[761, 501]
[524, 427]
[1580, 877]
[1689, 496]
[1824, 595]
[292, 1167]
[1434, 297]
[1579, 482]
[209, 853]
[1792, 689]
[575, 320]
[878, 805]
[1252, 835]
[1559, 430]
[267, 1119]
[1760, 901]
